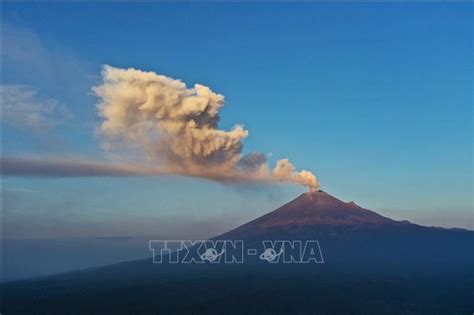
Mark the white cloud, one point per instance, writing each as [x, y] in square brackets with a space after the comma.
[23, 108]
[30, 59]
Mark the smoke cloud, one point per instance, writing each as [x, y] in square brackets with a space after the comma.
[284, 171]
[68, 167]
[160, 123]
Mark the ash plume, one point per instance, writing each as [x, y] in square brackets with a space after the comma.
[284, 171]
[159, 122]
[68, 167]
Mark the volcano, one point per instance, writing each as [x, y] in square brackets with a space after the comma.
[372, 264]
[351, 234]
[310, 210]
[319, 207]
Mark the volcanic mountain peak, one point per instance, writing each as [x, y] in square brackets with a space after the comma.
[312, 209]
[320, 199]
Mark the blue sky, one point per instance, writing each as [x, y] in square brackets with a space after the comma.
[376, 99]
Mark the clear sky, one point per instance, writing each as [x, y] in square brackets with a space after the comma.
[376, 99]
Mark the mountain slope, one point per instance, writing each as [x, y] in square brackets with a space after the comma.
[350, 234]
[311, 209]
[372, 264]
